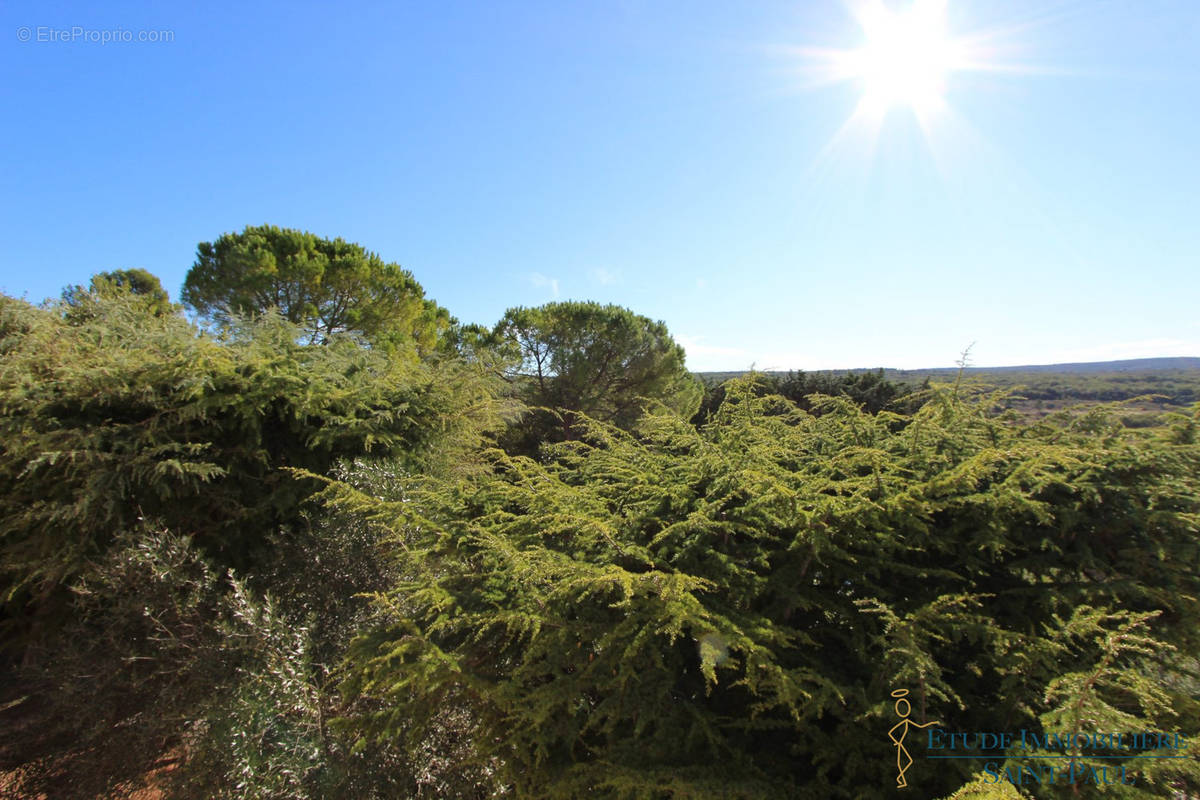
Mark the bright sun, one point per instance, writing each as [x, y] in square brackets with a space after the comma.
[905, 57]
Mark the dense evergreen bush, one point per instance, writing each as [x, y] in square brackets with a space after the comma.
[868, 389]
[722, 612]
[651, 607]
[125, 415]
[164, 585]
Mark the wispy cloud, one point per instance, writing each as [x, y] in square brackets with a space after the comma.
[605, 277]
[542, 281]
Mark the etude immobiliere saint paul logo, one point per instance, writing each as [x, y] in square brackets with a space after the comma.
[1025, 757]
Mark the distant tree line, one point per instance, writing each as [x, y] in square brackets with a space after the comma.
[1176, 387]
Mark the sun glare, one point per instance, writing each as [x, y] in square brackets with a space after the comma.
[908, 58]
[906, 55]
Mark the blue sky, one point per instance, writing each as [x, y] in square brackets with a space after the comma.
[679, 158]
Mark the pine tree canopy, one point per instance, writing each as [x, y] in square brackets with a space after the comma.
[601, 361]
[323, 286]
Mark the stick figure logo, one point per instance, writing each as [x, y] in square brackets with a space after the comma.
[898, 732]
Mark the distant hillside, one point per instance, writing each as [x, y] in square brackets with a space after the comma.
[918, 375]
[1175, 381]
[1128, 365]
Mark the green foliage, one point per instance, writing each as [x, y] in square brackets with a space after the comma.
[1117, 692]
[1176, 386]
[868, 389]
[124, 416]
[721, 612]
[1152, 383]
[985, 787]
[1170, 381]
[603, 362]
[323, 286]
[1108, 695]
[163, 656]
[146, 287]
[652, 608]
[273, 730]
[150, 638]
